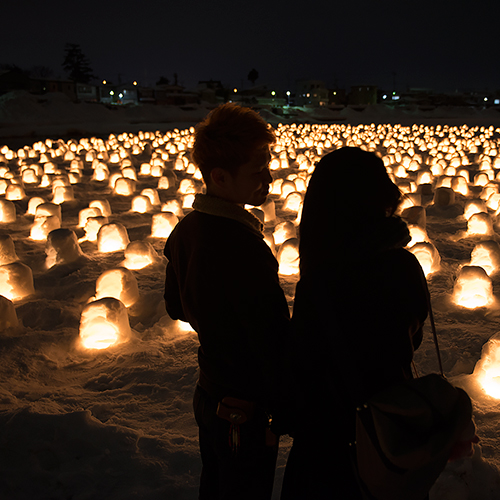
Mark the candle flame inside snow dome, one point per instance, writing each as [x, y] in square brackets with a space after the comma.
[118, 283]
[473, 288]
[487, 369]
[288, 257]
[486, 254]
[104, 323]
[427, 255]
[139, 254]
[16, 281]
[112, 237]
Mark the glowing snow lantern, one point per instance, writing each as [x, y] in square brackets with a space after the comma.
[157, 170]
[16, 281]
[7, 211]
[145, 169]
[33, 203]
[284, 231]
[427, 255]
[29, 176]
[45, 181]
[275, 187]
[114, 157]
[173, 206]
[119, 283]
[102, 205]
[62, 194]
[124, 186]
[269, 209]
[8, 316]
[101, 172]
[129, 173]
[163, 224]
[487, 369]
[104, 323]
[186, 186]
[465, 174]
[14, 192]
[486, 254]
[4, 184]
[85, 213]
[473, 288]
[139, 254]
[163, 183]
[288, 257]
[292, 202]
[287, 187]
[112, 237]
[47, 210]
[474, 207]
[7, 250]
[188, 200]
[481, 179]
[152, 194]
[141, 204]
[43, 225]
[184, 326]
[62, 247]
[424, 177]
[459, 185]
[480, 223]
[493, 202]
[400, 172]
[92, 227]
[417, 233]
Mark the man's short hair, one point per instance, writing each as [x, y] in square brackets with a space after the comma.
[227, 138]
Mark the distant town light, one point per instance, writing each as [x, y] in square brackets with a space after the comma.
[134, 83]
[273, 92]
[235, 90]
[104, 82]
[496, 101]
[384, 96]
[111, 92]
[485, 99]
[288, 92]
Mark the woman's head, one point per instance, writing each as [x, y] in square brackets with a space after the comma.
[349, 189]
[354, 180]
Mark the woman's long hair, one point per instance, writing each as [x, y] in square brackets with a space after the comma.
[349, 191]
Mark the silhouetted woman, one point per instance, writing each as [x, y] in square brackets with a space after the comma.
[358, 314]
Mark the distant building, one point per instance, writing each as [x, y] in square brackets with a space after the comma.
[174, 95]
[46, 85]
[85, 92]
[261, 96]
[212, 91]
[363, 95]
[121, 94]
[337, 97]
[311, 93]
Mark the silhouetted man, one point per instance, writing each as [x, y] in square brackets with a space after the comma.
[222, 278]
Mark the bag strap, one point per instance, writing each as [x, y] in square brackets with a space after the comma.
[434, 333]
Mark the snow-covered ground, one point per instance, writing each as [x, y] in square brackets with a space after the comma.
[117, 423]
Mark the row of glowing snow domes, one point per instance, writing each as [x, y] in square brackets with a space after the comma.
[421, 160]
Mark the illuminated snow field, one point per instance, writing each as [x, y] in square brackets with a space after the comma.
[97, 380]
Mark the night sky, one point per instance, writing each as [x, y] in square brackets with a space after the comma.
[440, 44]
